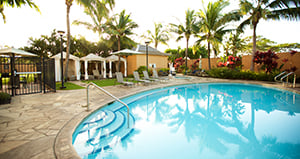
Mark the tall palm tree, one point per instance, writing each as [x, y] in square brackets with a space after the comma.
[121, 26]
[17, 3]
[186, 30]
[212, 23]
[98, 12]
[256, 10]
[86, 4]
[235, 43]
[159, 36]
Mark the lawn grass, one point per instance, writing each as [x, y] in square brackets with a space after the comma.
[103, 82]
[107, 82]
[68, 85]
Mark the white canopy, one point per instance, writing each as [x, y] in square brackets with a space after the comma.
[114, 58]
[92, 57]
[10, 51]
[58, 65]
[57, 56]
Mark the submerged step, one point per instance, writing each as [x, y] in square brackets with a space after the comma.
[101, 141]
[95, 118]
[117, 136]
[109, 117]
[109, 129]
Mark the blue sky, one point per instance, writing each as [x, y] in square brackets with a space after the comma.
[25, 22]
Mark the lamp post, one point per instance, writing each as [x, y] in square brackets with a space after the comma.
[147, 43]
[61, 33]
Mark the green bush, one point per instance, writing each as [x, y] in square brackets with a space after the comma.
[227, 73]
[4, 98]
[141, 69]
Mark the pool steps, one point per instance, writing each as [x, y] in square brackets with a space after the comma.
[103, 134]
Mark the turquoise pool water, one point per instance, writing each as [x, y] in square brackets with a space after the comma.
[213, 120]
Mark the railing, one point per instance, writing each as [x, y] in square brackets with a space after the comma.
[275, 78]
[109, 94]
[287, 79]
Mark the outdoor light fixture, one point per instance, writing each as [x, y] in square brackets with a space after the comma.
[147, 43]
[61, 33]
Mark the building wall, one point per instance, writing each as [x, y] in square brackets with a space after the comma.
[293, 61]
[135, 61]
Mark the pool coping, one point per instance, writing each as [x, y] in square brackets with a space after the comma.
[63, 147]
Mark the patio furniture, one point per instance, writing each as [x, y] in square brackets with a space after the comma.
[120, 79]
[137, 78]
[96, 74]
[146, 77]
[155, 75]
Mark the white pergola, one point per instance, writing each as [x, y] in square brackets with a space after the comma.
[93, 57]
[114, 58]
[58, 65]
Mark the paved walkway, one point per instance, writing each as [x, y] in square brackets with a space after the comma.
[41, 125]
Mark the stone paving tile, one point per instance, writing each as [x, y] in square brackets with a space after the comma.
[31, 124]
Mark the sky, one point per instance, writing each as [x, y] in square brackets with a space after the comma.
[25, 22]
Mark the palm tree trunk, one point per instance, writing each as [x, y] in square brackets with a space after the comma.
[254, 47]
[69, 4]
[119, 48]
[186, 54]
[208, 49]
[156, 44]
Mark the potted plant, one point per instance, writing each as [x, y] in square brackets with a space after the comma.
[5, 98]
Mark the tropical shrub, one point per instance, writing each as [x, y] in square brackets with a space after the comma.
[228, 73]
[231, 62]
[267, 60]
[4, 98]
[195, 65]
[179, 63]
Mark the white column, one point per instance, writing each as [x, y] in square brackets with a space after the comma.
[86, 77]
[125, 72]
[110, 69]
[104, 69]
[96, 65]
[77, 69]
[57, 70]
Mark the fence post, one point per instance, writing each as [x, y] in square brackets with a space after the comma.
[43, 73]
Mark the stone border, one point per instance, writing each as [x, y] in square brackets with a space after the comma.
[63, 147]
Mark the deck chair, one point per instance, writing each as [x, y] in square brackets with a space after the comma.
[155, 75]
[96, 74]
[146, 77]
[120, 79]
[137, 78]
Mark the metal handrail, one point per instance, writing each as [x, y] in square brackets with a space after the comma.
[109, 94]
[275, 78]
[287, 79]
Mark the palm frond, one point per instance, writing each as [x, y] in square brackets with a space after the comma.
[289, 13]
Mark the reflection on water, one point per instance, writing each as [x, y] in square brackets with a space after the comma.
[215, 121]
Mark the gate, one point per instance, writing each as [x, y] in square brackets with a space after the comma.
[25, 75]
[49, 75]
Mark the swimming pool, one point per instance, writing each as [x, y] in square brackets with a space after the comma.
[209, 120]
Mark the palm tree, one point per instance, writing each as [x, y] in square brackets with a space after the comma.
[256, 10]
[86, 4]
[212, 23]
[17, 3]
[97, 11]
[186, 31]
[121, 27]
[235, 43]
[159, 36]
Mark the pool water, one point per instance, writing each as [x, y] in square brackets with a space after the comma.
[212, 120]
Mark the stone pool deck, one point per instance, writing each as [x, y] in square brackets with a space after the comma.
[40, 125]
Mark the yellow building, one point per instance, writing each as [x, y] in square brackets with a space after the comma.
[156, 59]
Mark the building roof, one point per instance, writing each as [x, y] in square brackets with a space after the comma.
[151, 50]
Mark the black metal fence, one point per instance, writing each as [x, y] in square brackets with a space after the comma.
[26, 75]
